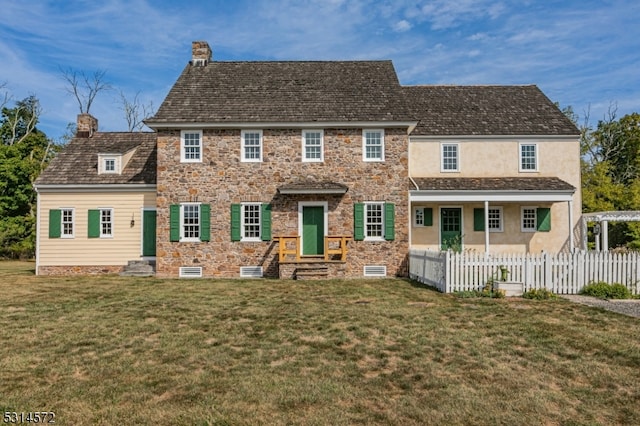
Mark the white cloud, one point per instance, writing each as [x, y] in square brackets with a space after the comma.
[402, 26]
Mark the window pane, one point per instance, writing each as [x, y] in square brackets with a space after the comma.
[67, 222]
[529, 219]
[419, 217]
[192, 146]
[106, 224]
[252, 146]
[373, 145]
[191, 220]
[450, 157]
[312, 146]
[374, 220]
[251, 220]
[495, 219]
[528, 157]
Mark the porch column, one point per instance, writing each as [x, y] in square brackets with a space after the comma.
[605, 235]
[571, 245]
[486, 227]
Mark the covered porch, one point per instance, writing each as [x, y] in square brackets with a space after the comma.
[488, 215]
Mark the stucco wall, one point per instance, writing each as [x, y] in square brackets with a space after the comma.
[222, 179]
[500, 158]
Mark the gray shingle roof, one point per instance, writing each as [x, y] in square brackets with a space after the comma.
[300, 91]
[77, 164]
[485, 110]
[493, 184]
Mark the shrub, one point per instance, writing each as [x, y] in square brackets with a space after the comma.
[603, 290]
[540, 294]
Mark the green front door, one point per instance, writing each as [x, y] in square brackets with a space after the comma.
[451, 228]
[148, 232]
[312, 230]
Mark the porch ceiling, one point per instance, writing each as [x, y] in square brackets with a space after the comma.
[509, 189]
[313, 187]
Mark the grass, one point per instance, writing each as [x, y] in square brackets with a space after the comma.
[112, 350]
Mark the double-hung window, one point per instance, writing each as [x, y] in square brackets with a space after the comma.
[450, 157]
[251, 221]
[312, 146]
[100, 223]
[191, 146]
[251, 146]
[529, 219]
[528, 157]
[61, 223]
[495, 219]
[109, 165]
[374, 221]
[373, 145]
[190, 222]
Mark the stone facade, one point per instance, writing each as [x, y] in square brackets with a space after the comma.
[221, 179]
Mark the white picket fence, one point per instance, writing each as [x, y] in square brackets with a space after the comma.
[561, 273]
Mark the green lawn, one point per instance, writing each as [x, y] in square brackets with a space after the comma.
[112, 350]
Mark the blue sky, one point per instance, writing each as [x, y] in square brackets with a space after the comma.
[583, 53]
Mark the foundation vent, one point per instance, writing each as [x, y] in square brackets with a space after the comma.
[190, 272]
[251, 271]
[375, 271]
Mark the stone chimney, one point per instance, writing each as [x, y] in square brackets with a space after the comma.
[87, 125]
[200, 53]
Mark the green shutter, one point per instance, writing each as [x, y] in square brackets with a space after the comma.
[389, 221]
[205, 222]
[55, 223]
[174, 222]
[543, 216]
[94, 224]
[428, 216]
[478, 219]
[265, 226]
[235, 222]
[358, 221]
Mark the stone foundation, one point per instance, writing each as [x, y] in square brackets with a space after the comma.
[80, 270]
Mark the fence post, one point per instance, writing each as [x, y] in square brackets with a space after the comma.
[447, 270]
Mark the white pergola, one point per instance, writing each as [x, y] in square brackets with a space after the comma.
[603, 218]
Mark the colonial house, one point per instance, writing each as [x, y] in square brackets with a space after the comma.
[310, 169]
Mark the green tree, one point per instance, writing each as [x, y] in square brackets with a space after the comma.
[611, 173]
[24, 153]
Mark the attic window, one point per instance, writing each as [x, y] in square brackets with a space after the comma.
[109, 163]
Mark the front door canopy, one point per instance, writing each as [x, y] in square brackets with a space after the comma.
[313, 187]
[517, 189]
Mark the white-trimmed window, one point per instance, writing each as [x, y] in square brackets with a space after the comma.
[190, 222]
[374, 221]
[67, 218]
[495, 219]
[528, 157]
[251, 146]
[191, 146]
[109, 165]
[372, 145]
[251, 221]
[529, 219]
[106, 223]
[450, 157]
[312, 146]
[418, 216]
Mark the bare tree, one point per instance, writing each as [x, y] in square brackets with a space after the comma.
[22, 119]
[5, 97]
[135, 112]
[85, 87]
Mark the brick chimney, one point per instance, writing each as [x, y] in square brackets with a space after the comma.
[200, 53]
[87, 125]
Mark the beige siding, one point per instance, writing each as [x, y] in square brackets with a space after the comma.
[123, 246]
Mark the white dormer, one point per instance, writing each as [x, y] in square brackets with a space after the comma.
[113, 163]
